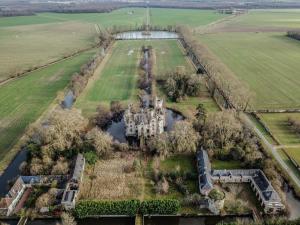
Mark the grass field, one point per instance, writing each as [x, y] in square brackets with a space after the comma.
[274, 18]
[277, 123]
[24, 100]
[116, 81]
[268, 62]
[294, 153]
[30, 41]
[122, 17]
[24, 47]
[191, 17]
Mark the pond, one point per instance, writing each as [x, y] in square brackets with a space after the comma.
[117, 128]
[140, 35]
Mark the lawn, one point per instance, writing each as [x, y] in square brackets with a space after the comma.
[26, 47]
[191, 17]
[268, 62]
[117, 80]
[222, 165]
[273, 18]
[24, 100]
[277, 123]
[168, 56]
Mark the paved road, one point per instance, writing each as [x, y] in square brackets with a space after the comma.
[274, 152]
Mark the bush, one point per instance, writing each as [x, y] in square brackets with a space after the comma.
[216, 194]
[161, 207]
[90, 208]
[90, 157]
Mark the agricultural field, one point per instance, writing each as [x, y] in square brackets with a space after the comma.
[120, 17]
[27, 42]
[267, 62]
[22, 101]
[190, 17]
[27, 47]
[267, 19]
[278, 125]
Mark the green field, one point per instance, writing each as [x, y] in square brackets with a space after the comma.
[268, 62]
[277, 123]
[25, 47]
[168, 56]
[122, 17]
[279, 18]
[191, 17]
[30, 41]
[24, 100]
[294, 153]
[116, 81]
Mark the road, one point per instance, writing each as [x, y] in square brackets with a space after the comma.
[273, 151]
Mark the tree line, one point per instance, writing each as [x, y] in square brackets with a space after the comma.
[221, 80]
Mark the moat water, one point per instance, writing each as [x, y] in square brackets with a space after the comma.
[141, 35]
[117, 128]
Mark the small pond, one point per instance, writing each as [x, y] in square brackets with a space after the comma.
[140, 35]
[117, 129]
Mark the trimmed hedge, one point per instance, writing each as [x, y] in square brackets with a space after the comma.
[93, 208]
[161, 207]
[128, 207]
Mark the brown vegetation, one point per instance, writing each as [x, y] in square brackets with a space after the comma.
[110, 180]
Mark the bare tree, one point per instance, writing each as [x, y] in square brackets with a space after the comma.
[100, 141]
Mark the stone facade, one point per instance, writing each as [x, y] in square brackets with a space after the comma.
[147, 121]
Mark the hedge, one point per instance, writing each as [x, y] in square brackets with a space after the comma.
[128, 207]
[161, 207]
[93, 208]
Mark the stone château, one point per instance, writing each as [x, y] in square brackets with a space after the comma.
[146, 121]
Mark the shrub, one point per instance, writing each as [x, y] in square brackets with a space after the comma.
[90, 208]
[216, 194]
[90, 157]
[161, 207]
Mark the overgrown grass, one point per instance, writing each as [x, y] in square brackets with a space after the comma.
[267, 62]
[24, 100]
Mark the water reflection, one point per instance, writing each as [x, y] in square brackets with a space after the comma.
[137, 35]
